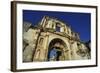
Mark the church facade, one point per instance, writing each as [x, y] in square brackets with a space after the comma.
[52, 40]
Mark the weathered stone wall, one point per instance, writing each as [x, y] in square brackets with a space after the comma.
[30, 37]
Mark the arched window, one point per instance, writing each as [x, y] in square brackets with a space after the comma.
[58, 27]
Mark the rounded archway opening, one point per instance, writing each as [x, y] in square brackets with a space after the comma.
[56, 50]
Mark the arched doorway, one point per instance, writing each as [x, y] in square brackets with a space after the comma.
[56, 50]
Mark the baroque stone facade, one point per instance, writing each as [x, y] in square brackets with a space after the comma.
[52, 40]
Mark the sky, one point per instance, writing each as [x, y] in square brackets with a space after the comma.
[79, 22]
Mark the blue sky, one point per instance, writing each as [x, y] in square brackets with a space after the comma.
[79, 22]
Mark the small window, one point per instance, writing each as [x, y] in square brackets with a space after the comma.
[78, 44]
[52, 25]
[57, 28]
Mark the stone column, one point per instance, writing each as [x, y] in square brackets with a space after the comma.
[67, 51]
[41, 50]
[67, 54]
[46, 47]
[39, 54]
